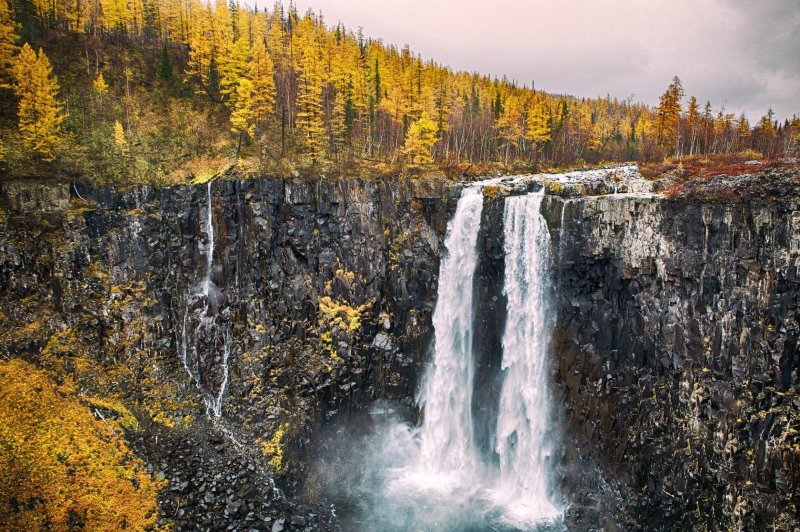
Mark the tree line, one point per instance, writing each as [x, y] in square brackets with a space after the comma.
[288, 87]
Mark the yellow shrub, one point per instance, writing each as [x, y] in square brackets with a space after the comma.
[338, 313]
[273, 448]
[59, 465]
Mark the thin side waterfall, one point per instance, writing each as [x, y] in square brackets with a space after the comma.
[209, 231]
[523, 443]
[446, 439]
[210, 335]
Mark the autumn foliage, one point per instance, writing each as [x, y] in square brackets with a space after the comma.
[39, 112]
[203, 87]
[63, 465]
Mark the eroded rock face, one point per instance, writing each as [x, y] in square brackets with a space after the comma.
[319, 297]
[675, 355]
[677, 358]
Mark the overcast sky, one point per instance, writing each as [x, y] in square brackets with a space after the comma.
[741, 53]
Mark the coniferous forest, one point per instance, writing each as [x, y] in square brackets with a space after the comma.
[158, 91]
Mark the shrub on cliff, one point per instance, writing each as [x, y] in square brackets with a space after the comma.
[60, 467]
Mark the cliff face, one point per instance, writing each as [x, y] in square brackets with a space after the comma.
[677, 357]
[675, 354]
[304, 294]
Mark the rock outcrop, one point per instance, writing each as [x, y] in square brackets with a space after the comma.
[677, 358]
[319, 296]
[675, 355]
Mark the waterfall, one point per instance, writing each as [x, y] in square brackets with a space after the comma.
[431, 476]
[523, 444]
[446, 440]
[211, 333]
[211, 295]
[209, 231]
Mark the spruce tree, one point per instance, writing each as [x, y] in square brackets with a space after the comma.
[165, 65]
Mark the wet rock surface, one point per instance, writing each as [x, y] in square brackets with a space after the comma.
[321, 299]
[677, 359]
[489, 324]
[675, 354]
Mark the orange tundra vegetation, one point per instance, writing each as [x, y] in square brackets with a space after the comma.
[60, 467]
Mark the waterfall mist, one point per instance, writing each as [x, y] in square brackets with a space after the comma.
[430, 476]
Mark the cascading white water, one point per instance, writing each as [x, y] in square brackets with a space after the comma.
[209, 230]
[203, 306]
[523, 444]
[446, 438]
[432, 476]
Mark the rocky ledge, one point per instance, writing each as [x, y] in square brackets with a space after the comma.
[675, 355]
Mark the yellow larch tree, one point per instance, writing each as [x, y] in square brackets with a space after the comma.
[509, 125]
[223, 27]
[233, 68]
[668, 114]
[420, 140]
[442, 102]
[643, 130]
[538, 127]
[692, 122]
[115, 14]
[722, 127]
[203, 54]
[245, 24]
[39, 111]
[743, 131]
[309, 99]
[276, 40]
[255, 97]
[259, 27]
[242, 116]
[8, 43]
[261, 72]
[119, 135]
[343, 64]
[174, 20]
[136, 16]
[603, 124]
[581, 124]
[767, 132]
[100, 87]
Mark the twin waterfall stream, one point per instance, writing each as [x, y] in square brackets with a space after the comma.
[432, 476]
[522, 426]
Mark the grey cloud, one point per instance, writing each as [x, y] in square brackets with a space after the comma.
[742, 52]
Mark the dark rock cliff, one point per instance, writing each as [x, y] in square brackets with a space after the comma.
[677, 359]
[489, 324]
[321, 298]
[675, 355]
